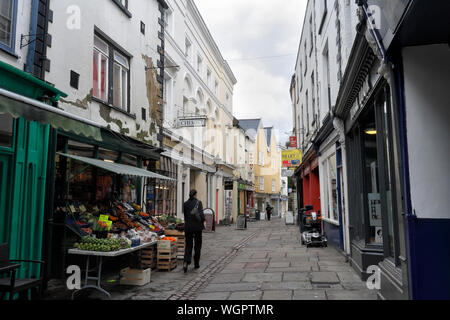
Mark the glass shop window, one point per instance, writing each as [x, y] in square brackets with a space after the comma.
[370, 161]
[6, 130]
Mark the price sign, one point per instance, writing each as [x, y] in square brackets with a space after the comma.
[103, 218]
[72, 209]
[82, 208]
[109, 224]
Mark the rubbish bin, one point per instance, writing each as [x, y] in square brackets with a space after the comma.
[258, 215]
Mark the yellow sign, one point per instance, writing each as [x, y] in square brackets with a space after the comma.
[291, 158]
[103, 218]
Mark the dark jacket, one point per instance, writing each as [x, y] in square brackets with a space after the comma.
[191, 223]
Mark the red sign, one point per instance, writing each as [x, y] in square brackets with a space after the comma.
[293, 142]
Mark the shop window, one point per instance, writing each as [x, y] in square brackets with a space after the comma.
[330, 195]
[6, 130]
[80, 149]
[8, 10]
[372, 174]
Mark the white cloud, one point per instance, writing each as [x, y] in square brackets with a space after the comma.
[258, 28]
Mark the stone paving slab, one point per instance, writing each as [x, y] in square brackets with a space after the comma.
[291, 285]
[246, 295]
[324, 277]
[228, 278]
[213, 296]
[309, 295]
[351, 295]
[296, 276]
[231, 287]
[278, 295]
[263, 277]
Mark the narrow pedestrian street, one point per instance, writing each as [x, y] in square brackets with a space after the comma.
[264, 262]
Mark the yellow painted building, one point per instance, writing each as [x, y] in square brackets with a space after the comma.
[267, 170]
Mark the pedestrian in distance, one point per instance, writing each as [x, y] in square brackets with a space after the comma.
[194, 225]
[269, 211]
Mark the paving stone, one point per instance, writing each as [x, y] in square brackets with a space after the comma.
[348, 277]
[290, 269]
[260, 255]
[339, 268]
[296, 276]
[213, 296]
[351, 294]
[231, 287]
[263, 277]
[228, 278]
[360, 285]
[277, 295]
[256, 265]
[309, 295]
[291, 285]
[334, 262]
[324, 277]
[246, 295]
[282, 264]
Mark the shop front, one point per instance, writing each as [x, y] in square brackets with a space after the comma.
[308, 174]
[373, 170]
[27, 115]
[110, 178]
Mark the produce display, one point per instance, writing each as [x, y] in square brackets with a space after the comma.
[113, 227]
[102, 245]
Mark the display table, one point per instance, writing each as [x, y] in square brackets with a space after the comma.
[100, 256]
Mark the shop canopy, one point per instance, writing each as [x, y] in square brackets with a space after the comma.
[33, 110]
[121, 169]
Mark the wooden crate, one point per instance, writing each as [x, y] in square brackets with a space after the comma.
[165, 245]
[167, 265]
[167, 254]
[174, 233]
[149, 257]
[133, 277]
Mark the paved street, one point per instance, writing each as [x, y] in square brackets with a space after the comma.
[264, 262]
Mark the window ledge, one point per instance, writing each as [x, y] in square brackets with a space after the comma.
[124, 9]
[9, 52]
[133, 116]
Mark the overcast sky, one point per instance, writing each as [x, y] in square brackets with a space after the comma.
[245, 31]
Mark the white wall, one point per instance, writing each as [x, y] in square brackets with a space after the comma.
[72, 49]
[427, 79]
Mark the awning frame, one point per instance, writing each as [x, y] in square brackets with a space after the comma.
[117, 168]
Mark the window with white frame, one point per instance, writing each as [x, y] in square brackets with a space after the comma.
[110, 67]
[120, 80]
[199, 65]
[330, 194]
[168, 21]
[101, 66]
[216, 88]
[274, 185]
[208, 78]
[188, 49]
[261, 158]
[261, 183]
[168, 109]
[7, 24]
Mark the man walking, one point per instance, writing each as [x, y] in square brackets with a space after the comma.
[269, 211]
[194, 220]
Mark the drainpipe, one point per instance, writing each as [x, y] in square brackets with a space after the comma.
[33, 30]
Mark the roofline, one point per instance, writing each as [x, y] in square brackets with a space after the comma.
[225, 64]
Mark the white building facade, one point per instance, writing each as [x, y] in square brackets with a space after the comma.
[198, 106]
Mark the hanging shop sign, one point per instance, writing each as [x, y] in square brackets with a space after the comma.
[293, 142]
[291, 158]
[251, 161]
[192, 123]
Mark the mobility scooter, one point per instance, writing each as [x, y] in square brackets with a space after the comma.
[311, 228]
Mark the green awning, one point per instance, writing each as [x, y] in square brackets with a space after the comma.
[117, 168]
[19, 106]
